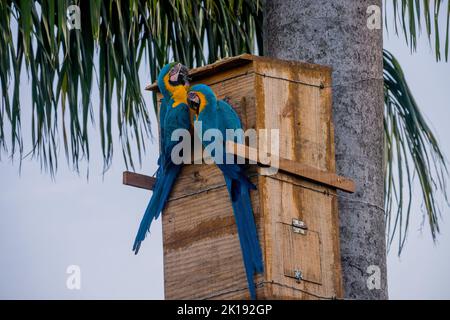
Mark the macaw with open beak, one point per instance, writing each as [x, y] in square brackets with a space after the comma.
[173, 82]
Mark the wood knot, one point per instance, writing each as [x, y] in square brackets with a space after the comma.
[197, 176]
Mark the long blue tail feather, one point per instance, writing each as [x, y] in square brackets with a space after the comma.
[161, 192]
[245, 202]
[248, 237]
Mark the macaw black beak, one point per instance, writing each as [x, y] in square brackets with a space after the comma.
[174, 73]
[194, 102]
[183, 75]
[179, 75]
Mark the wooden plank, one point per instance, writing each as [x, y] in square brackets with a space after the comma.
[232, 63]
[138, 180]
[211, 69]
[202, 258]
[302, 170]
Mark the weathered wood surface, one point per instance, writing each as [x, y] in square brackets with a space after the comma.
[302, 113]
[138, 180]
[202, 257]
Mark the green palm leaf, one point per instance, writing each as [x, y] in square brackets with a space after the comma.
[114, 37]
[411, 17]
[412, 153]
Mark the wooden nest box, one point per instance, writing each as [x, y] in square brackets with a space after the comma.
[296, 209]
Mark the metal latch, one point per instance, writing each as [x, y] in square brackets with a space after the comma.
[299, 226]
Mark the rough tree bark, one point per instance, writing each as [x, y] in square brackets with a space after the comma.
[335, 33]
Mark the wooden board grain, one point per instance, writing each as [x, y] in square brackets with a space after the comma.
[138, 180]
[202, 255]
[303, 115]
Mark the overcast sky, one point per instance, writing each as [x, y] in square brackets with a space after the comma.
[46, 226]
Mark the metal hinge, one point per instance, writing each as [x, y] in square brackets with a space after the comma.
[299, 226]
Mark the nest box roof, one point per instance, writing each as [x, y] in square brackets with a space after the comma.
[222, 64]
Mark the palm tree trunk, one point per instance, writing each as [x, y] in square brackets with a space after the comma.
[335, 32]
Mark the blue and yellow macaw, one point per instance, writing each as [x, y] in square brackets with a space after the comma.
[174, 114]
[220, 115]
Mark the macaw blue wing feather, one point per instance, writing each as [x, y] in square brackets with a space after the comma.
[159, 198]
[167, 173]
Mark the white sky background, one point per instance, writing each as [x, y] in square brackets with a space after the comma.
[46, 225]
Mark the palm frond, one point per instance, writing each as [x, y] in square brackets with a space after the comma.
[411, 17]
[114, 37]
[412, 154]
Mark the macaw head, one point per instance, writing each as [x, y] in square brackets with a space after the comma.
[172, 77]
[201, 98]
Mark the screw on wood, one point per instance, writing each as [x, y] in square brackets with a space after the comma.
[298, 275]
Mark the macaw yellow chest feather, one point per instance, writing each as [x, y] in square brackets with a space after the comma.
[179, 96]
[179, 93]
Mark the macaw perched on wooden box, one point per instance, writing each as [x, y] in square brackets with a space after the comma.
[174, 114]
